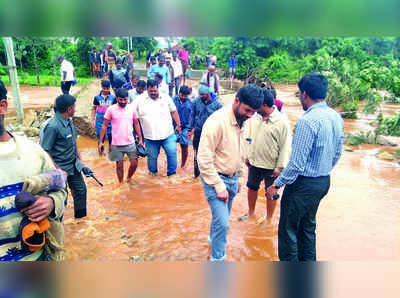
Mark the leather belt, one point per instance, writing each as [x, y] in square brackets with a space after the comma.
[226, 175]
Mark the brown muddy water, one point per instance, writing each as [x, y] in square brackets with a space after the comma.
[167, 219]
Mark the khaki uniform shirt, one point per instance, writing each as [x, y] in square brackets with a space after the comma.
[270, 141]
[222, 148]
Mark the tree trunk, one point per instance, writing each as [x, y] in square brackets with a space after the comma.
[22, 70]
[35, 62]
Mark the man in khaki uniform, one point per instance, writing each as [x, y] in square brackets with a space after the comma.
[221, 161]
[268, 151]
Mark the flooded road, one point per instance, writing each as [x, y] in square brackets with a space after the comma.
[165, 219]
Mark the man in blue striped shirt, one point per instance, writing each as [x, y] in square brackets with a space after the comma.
[316, 148]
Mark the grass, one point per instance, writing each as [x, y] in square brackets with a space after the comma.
[45, 80]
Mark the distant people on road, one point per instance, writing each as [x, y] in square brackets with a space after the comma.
[129, 63]
[177, 66]
[211, 79]
[101, 103]
[161, 69]
[171, 84]
[67, 74]
[123, 119]
[118, 75]
[183, 55]
[95, 61]
[110, 57]
[232, 67]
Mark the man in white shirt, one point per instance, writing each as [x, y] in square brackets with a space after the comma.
[162, 86]
[155, 111]
[67, 74]
[177, 66]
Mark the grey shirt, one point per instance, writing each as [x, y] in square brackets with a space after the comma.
[59, 140]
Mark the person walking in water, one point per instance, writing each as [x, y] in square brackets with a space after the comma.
[123, 118]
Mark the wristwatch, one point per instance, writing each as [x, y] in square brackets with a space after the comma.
[274, 186]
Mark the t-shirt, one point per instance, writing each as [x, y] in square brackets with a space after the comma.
[103, 104]
[183, 55]
[69, 69]
[121, 124]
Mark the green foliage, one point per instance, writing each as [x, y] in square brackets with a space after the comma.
[389, 125]
[357, 139]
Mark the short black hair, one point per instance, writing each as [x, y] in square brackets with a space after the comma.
[60, 58]
[135, 76]
[251, 95]
[121, 92]
[158, 75]
[105, 83]
[161, 58]
[63, 102]
[185, 46]
[268, 98]
[314, 84]
[184, 90]
[3, 91]
[94, 48]
[130, 51]
[141, 83]
[152, 83]
[118, 61]
[152, 58]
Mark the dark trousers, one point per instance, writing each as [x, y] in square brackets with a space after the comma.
[66, 87]
[299, 206]
[171, 90]
[196, 142]
[78, 190]
[176, 86]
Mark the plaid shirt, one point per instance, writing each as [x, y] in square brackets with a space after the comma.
[317, 144]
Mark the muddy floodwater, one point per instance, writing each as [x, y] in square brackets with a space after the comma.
[161, 219]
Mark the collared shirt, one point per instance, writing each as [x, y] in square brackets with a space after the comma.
[177, 65]
[201, 111]
[69, 69]
[164, 71]
[222, 148]
[155, 115]
[132, 94]
[317, 144]
[102, 104]
[184, 110]
[270, 141]
[163, 88]
[59, 140]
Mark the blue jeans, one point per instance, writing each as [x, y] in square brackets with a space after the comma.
[220, 216]
[169, 146]
[99, 125]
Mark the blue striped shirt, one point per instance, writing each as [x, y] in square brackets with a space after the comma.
[317, 144]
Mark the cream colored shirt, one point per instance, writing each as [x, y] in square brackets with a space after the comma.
[155, 115]
[222, 148]
[270, 141]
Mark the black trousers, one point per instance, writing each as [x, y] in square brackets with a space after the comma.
[299, 206]
[78, 189]
[196, 142]
[66, 87]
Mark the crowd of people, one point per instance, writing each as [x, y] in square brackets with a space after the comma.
[139, 117]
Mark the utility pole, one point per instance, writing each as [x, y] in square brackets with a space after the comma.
[12, 69]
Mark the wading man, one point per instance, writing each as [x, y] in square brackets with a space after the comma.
[268, 151]
[203, 106]
[184, 107]
[101, 103]
[59, 141]
[221, 161]
[316, 148]
[156, 112]
[123, 119]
